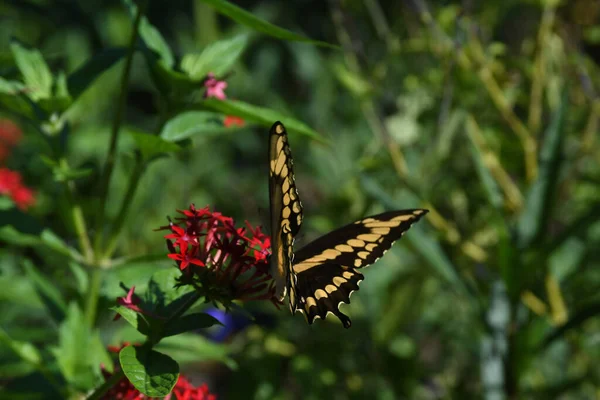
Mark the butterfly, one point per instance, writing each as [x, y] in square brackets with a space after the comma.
[323, 274]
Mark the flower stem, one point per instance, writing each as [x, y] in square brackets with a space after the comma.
[93, 295]
[78, 218]
[105, 387]
[112, 150]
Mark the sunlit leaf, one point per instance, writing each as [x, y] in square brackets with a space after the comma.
[152, 373]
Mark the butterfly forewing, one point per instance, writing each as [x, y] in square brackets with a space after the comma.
[326, 268]
[285, 208]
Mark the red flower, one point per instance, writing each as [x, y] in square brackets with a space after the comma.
[23, 197]
[9, 181]
[11, 185]
[184, 390]
[214, 87]
[131, 301]
[223, 262]
[232, 120]
[10, 135]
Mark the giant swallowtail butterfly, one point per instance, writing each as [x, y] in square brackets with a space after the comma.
[323, 274]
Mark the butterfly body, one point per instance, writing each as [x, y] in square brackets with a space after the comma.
[323, 274]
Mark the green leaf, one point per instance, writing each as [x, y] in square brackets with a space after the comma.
[80, 276]
[11, 87]
[55, 243]
[151, 146]
[6, 203]
[532, 222]
[492, 190]
[244, 17]
[135, 319]
[218, 58]
[190, 322]
[152, 373]
[24, 350]
[36, 74]
[152, 37]
[261, 115]
[192, 123]
[79, 351]
[193, 348]
[47, 291]
[79, 80]
[12, 98]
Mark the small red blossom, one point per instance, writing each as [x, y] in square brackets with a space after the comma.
[223, 262]
[214, 87]
[131, 301]
[11, 185]
[232, 120]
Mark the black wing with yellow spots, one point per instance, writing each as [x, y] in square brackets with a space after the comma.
[285, 209]
[326, 269]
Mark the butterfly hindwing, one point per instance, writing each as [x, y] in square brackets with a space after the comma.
[326, 268]
[285, 209]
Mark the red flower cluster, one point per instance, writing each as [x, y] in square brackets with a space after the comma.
[183, 389]
[223, 262]
[11, 185]
[10, 135]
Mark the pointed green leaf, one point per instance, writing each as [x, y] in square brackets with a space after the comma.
[192, 123]
[492, 190]
[79, 80]
[151, 146]
[244, 17]
[47, 291]
[192, 348]
[261, 115]
[218, 58]
[36, 74]
[152, 373]
[25, 350]
[79, 351]
[539, 201]
[190, 322]
[152, 37]
[135, 319]
[54, 242]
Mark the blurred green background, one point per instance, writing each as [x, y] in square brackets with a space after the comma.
[486, 113]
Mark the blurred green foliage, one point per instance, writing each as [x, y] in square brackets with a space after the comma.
[486, 113]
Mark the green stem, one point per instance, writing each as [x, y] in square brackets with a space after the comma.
[93, 295]
[112, 150]
[134, 181]
[78, 218]
[105, 387]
